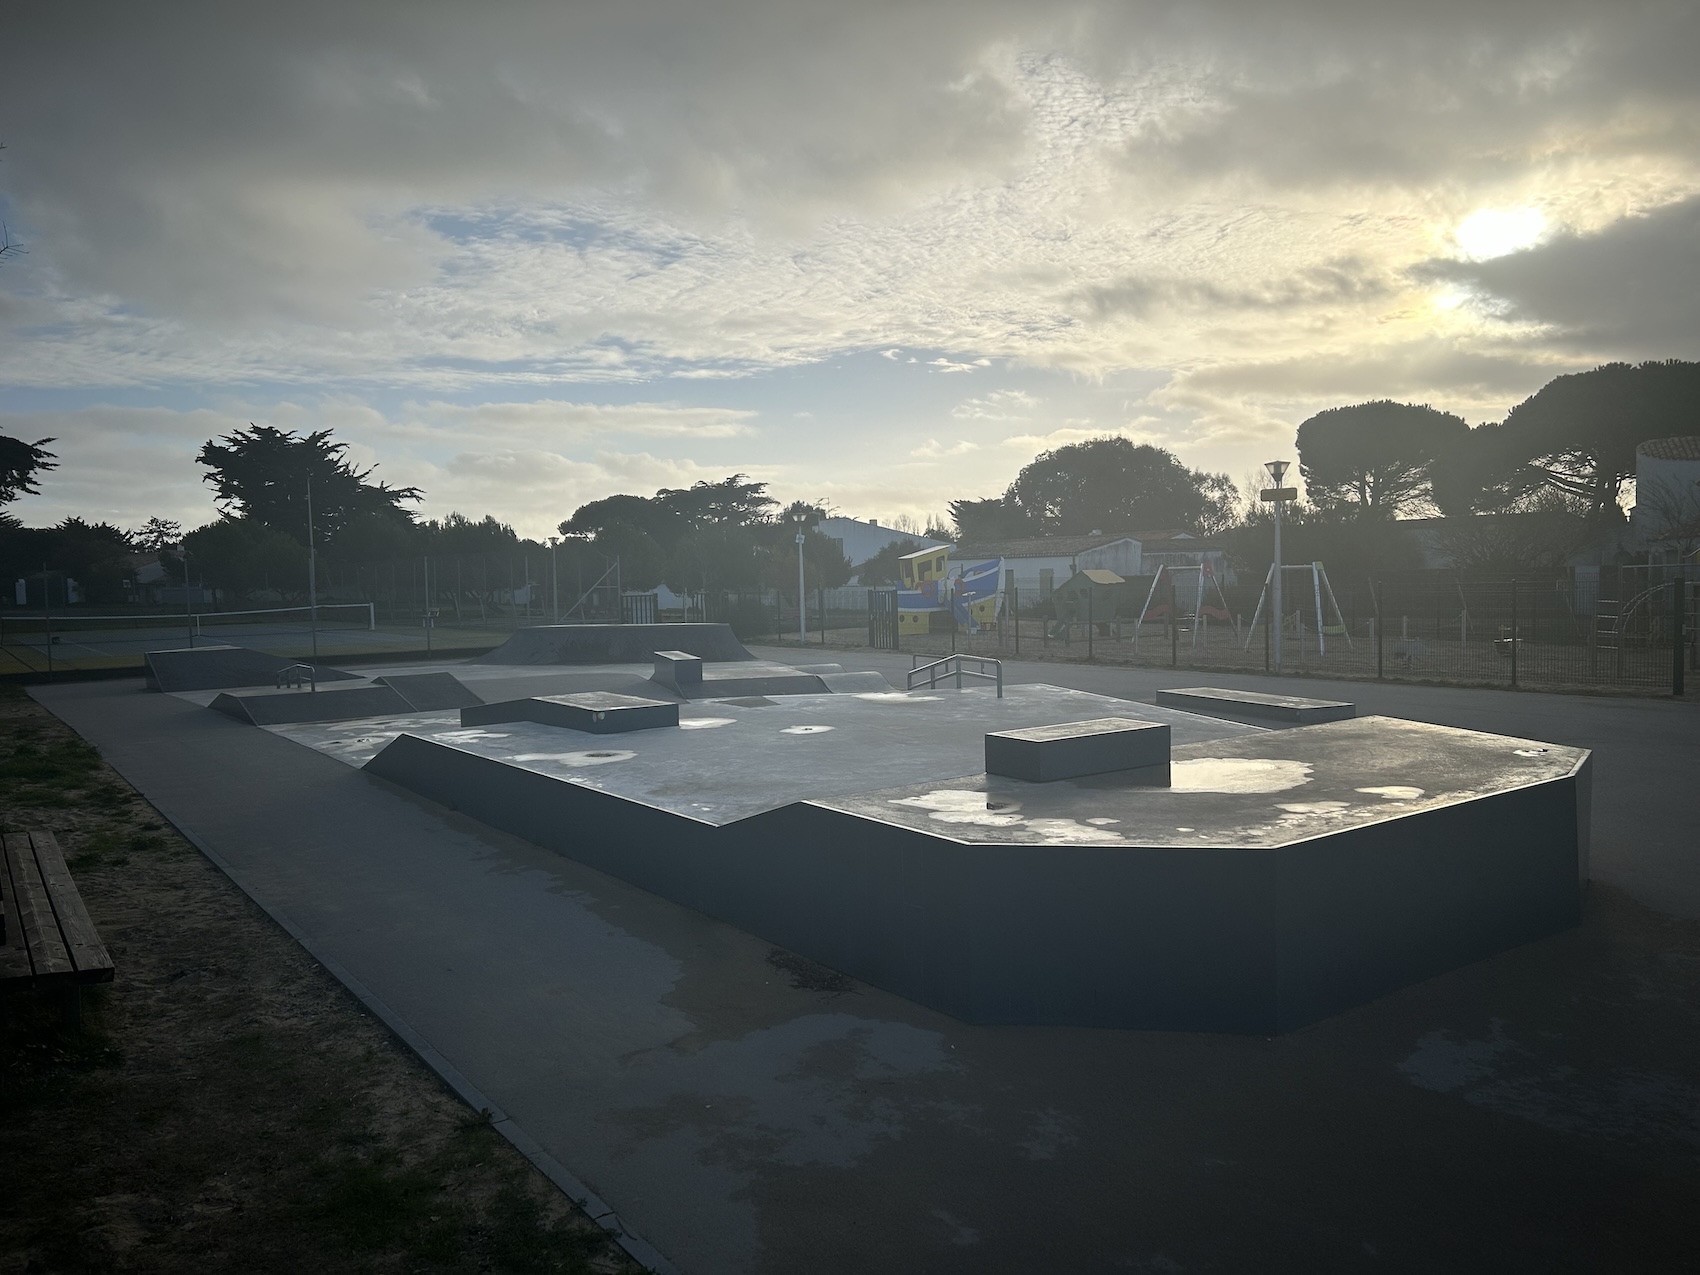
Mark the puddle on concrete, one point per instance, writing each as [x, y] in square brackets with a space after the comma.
[805, 730]
[704, 723]
[1393, 792]
[1237, 774]
[589, 757]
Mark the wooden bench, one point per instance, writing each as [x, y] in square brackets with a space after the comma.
[46, 937]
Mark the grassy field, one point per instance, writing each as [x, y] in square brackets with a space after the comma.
[227, 1104]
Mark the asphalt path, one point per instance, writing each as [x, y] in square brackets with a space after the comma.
[1533, 1112]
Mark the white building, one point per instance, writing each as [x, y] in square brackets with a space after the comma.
[860, 541]
[1666, 517]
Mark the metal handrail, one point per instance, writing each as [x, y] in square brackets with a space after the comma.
[292, 676]
[933, 671]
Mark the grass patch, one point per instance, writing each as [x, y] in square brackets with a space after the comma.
[227, 1105]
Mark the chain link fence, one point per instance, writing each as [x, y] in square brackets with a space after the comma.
[1631, 629]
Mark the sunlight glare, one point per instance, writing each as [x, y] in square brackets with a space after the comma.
[1494, 232]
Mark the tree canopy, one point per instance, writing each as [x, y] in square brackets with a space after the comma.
[1376, 456]
[20, 462]
[1577, 434]
[262, 473]
[1113, 484]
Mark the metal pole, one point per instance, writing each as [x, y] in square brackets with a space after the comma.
[312, 573]
[1280, 620]
[554, 581]
[1513, 630]
[1175, 628]
[1089, 621]
[188, 612]
[1679, 588]
[47, 612]
[1375, 596]
[802, 595]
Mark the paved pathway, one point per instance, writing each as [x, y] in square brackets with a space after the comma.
[1532, 1112]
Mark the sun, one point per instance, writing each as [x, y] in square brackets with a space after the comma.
[1494, 232]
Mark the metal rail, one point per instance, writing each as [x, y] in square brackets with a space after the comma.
[942, 668]
[293, 675]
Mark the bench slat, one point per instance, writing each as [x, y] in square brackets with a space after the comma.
[82, 944]
[14, 955]
[40, 929]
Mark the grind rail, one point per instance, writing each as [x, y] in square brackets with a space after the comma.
[952, 665]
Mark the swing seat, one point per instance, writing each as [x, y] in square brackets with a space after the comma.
[1334, 630]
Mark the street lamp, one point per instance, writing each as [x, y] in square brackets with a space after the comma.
[802, 600]
[1278, 496]
[554, 580]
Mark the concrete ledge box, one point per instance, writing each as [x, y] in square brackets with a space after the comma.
[1294, 710]
[594, 712]
[677, 669]
[1068, 750]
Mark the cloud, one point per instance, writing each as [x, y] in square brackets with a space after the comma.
[999, 405]
[1632, 287]
[932, 449]
[434, 227]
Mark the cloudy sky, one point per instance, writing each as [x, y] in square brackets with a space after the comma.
[527, 255]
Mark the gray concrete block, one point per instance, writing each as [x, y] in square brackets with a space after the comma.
[594, 712]
[678, 670]
[1294, 710]
[1068, 750]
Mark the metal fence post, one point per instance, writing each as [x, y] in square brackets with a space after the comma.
[1375, 592]
[1175, 625]
[1679, 587]
[1089, 623]
[1513, 631]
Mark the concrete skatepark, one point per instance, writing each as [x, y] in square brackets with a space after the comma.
[593, 1015]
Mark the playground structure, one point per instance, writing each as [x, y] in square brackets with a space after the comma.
[1319, 586]
[1201, 613]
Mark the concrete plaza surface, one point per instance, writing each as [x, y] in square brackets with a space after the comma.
[1536, 1111]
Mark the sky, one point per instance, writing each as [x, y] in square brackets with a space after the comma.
[878, 255]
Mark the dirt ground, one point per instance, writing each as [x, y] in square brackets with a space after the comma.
[227, 1104]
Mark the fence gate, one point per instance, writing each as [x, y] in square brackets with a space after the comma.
[638, 608]
[882, 619]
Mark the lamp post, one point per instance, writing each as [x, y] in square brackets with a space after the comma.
[188, 606]
[554, 580]
[1277, 496]
[312, 574]
[802, 601]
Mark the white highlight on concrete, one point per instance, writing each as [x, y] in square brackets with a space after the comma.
[704, 723]
[1393, 792]
[961, 805]
[590, 757]
[1237, 774]
[805, 730]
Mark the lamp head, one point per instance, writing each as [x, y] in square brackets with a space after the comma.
[1277, 470]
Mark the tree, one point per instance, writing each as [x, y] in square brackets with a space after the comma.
[993, 518]
[20, 462]
[262, 474]
[1376, 456]
[1115, 485]
[882, 568]
[158, 533]
[244, 554]
[1577, 434]
[734, 501]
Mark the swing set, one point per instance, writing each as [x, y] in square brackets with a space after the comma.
[1319, 586]
[1200, 612]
